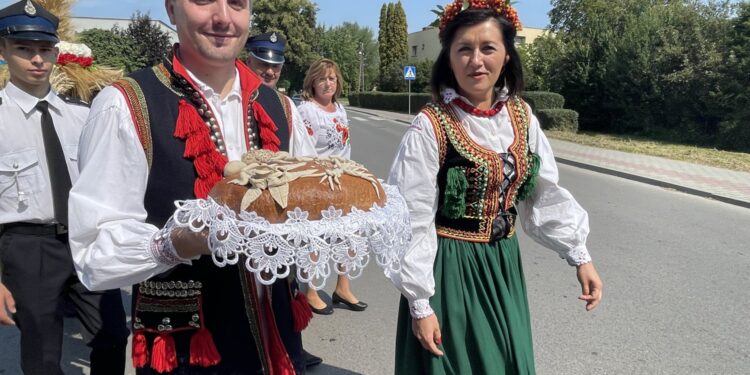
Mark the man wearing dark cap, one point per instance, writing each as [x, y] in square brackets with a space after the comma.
[266, 56]
[38, 163]
[266, 59]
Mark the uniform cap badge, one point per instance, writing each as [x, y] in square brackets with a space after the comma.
[29, 8]
[274, 38]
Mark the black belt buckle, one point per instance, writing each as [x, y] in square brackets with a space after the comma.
[60, 229]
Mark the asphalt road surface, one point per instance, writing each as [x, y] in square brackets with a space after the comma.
[676, 270]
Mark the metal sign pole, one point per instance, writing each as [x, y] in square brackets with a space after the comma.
[409, 97]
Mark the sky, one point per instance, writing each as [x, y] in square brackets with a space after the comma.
[533, 13]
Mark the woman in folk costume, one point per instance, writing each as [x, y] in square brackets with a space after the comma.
[472, 164]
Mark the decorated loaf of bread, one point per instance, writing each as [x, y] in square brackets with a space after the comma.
[274, 183]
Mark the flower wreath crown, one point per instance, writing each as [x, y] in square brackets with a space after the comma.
[501, 7]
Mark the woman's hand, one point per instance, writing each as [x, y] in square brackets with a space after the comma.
[591, 285]
[427, 331]
[189, 244]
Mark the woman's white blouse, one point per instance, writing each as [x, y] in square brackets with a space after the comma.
[329, 129]
[551, 216]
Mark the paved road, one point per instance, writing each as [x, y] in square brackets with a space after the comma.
[676, 269]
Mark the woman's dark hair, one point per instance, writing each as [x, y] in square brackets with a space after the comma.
[442, 75]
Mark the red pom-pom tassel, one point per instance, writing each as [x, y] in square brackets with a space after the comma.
[188, 120]
[140, 350]
[267, 129]
[164, 356]
[301, 312]
[203, 351]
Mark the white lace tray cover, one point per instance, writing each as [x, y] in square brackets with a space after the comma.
[312, 246]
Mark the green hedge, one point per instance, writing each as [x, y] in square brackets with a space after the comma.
[543, 100]
[558, 119]
[397, 101]
[389, 101]
[546, 105]
[735, 135]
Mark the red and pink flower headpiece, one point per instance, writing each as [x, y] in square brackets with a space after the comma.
[501, 7]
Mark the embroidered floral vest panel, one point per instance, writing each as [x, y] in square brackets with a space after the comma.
[482, 198]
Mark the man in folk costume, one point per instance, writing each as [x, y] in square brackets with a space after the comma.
[165, 134]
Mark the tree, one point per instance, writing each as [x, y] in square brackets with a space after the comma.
[151, 43]
[393, 47]
[639, 66]
[339, 45]
[295, 19]
[383, 38]
[424, 71]
[399, 43]
[734, 132]
[111, 48]
[349, 45]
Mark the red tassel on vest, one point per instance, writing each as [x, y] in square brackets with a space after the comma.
[301, 312]
[209, 164]
[266, 128]
[203, 351]
[164, 356]
[188, 121]
[140, 350]
[281, 364]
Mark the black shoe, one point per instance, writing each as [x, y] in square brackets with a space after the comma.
[328, 310]
[359, 306]
[311, 359]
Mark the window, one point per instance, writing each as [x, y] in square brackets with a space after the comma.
[413, 51]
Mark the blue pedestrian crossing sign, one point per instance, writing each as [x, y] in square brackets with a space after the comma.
[410, 72]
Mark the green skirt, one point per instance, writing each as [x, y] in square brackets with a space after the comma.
[480, 302]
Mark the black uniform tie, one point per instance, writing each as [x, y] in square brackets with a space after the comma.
[58, 169]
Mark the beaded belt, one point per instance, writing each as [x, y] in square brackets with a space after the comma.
[162, 309]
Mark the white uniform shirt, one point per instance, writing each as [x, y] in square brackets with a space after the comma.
[329, 129]
[551, 216]
[25, 189]
[109, 237]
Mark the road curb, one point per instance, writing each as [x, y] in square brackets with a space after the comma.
[652, 181]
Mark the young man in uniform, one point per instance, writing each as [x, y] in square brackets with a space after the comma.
[38, 153]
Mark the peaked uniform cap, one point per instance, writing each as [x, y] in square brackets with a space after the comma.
[27, 20]
[268, 47]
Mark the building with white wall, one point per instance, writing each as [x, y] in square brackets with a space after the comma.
[425, 44]
[88, 23]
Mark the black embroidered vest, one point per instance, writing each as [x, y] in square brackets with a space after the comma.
[491, 186]
[174, 300]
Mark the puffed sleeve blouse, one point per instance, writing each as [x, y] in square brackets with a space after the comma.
[551, 216]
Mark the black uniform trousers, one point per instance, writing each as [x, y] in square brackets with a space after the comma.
[38, 270]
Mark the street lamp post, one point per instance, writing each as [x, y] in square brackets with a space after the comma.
[360, 77]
